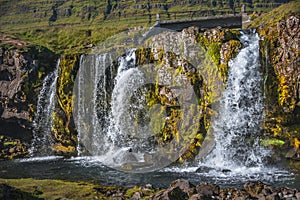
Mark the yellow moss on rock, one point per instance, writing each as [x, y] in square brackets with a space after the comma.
[63, 126]
[63, 149]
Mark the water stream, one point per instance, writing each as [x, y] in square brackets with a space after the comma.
[42, 123]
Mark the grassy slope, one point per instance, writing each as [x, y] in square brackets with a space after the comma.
[271, 18]
[28, 19]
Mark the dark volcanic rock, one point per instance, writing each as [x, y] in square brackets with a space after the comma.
[185, 186]
[181, 189]
[208, 191]
[22, 69]
[172, 193]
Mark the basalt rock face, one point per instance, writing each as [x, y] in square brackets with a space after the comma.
[281, 61]
[22, 68]
[63, 124]
[202, 57]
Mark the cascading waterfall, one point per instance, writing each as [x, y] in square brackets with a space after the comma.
[92, 97]
[238, 123]
[104, 131]
[127, 104]
[42, 123]
[114, 120]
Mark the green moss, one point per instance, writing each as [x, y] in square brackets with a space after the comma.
[10, 143]
[214, 52]
[11, 148]
[202, 40]
[55, 189]
[280, 102]
[273, 141]
[144, 192]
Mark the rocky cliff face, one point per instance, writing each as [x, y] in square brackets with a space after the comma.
[281, 61]
[22, 68]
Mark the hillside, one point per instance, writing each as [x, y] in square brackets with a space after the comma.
[71, 25]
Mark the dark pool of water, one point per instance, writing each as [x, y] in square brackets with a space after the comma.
[87, 169]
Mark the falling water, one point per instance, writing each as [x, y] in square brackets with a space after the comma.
[106, 97]
[91, 103]
[42, 123]
[238, 123]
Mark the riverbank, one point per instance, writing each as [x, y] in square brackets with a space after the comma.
[178, 189]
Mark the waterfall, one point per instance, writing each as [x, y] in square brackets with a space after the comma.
[238, 122]
[115, 121]
[42, 123]
[102, 102]
[91, 103]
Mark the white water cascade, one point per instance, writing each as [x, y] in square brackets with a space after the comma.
[113, 120]
[94, 73]
[109, 98]
[42, 123]
[238, 122]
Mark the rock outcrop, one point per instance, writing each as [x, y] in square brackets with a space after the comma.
[65, 134]
[22, 68]
[281, 61]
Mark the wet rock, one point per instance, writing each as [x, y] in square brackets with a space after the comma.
[198, 197]
[226, 170]
[174, 193]
[280, 59]
[11, 148]
[273, 196]
[136, 196]
[203, 169]
[297, 195]
[179, 189]
[254, 188]
[185, 186]
[208, 191]
[233, 193]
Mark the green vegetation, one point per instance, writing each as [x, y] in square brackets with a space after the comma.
[32, 189]
[74, 26]
[64, 127]
[214, 52]
[282, 105]
[188, 139]
[53, 189]
[11, 148]
[272, 141]
[271, 18]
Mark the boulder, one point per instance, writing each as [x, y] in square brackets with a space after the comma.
[179, 189]
[173, 193]
[208, 191]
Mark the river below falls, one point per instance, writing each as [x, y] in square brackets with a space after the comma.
[89, 169]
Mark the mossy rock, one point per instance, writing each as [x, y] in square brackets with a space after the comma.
[12, 148]
[161, 95]
[63, 124]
